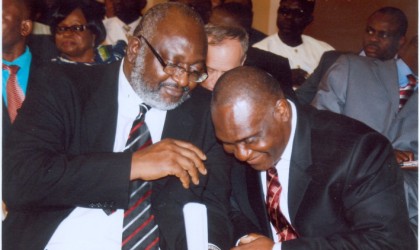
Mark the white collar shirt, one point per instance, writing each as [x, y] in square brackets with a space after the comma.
[92, 229]
[283, 167]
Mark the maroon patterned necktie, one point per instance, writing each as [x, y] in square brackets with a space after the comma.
[14, 92]
[139, 228]
[284, 230]
[406, 91]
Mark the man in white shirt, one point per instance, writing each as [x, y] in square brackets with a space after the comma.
[67, 176]
[338, 183]
[122, 18]
[303, 52]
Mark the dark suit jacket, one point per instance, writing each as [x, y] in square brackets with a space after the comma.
[345, 188]
[61, 158]
[35, 64]
[306, 92]
[276, 65]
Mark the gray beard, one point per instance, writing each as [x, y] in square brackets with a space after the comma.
[148, 94]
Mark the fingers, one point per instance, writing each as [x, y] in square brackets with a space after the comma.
[169, 157]
[192, 152]
[403, 156]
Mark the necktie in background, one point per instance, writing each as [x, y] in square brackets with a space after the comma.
[139, 228]
[406, 91]
[283, 228]
[14, 93]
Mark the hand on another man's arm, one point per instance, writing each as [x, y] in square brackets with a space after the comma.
[169, 157]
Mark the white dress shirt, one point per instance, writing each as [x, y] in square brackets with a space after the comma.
[305, 56]
[118, 30]
[283, 167]
[92, 229]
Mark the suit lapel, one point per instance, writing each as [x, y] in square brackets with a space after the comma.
[178, 123]
[388, 81]
[299, 179]
[101, 108]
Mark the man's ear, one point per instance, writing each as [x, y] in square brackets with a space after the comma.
[133, 49]
[26, 27]
[282, 110]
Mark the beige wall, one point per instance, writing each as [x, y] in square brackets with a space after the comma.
[338, 22]
[341, 23]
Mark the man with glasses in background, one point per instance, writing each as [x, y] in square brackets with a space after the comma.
[303, 52]
[73, 165]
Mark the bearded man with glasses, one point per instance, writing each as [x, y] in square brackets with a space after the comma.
[71, 166]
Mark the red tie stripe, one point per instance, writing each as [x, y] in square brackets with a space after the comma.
[140, 230]
[284, 230]
[406, 91]
[14, 92]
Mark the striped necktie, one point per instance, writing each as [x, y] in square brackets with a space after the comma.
[139, 228]
[14, 92]
[284, 230]
[406, 91]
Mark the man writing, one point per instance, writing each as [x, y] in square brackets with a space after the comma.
[73, 171]
[330, 182]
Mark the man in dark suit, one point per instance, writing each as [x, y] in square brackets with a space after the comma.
[17, 26]
[336, 180]
[67, 162]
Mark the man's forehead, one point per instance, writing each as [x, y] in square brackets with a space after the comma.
[385, 20]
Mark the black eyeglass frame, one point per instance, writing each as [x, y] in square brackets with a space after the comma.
[172, 69]
[73, 28]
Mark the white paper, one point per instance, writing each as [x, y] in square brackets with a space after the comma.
[195, 217]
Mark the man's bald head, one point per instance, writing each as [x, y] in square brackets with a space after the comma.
[246, 83]
[251, 117]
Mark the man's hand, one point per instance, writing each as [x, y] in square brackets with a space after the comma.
[255, 241]
[169, 157]
[298, 77]
[403, 156]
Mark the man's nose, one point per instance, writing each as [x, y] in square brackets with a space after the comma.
[182, 78]
[241, 152]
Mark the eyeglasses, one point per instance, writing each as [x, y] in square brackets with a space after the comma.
[294, 12]
[73, 28]
[175, 70]
[380, 34]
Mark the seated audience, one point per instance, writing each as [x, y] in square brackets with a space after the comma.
[228, 15]
[122, 17]
[78, 32]
[384, 35]
[330, 182]
[74, 165]
[303, 52]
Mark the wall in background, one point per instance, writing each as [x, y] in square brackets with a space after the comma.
[341, 23]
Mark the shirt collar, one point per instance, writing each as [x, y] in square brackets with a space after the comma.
[23, 61]
[287, 153]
